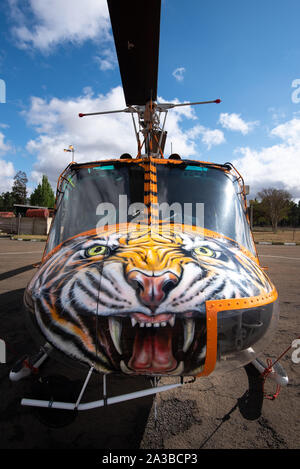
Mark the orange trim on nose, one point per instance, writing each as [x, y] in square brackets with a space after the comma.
[152, 199]
[213, 307]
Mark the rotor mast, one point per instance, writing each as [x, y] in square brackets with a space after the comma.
[150, 134]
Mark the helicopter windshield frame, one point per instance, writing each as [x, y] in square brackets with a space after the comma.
[84, 188]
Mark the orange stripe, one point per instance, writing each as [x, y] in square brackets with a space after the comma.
[153, 187]
[240, 303]
[153, 191]
[147, 183]
[75, 329]
[213, 307]
[115, 160]
[211, 341]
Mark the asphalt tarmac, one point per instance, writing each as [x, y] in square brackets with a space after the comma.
[207, 414]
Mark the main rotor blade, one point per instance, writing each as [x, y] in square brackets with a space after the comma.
[136, 26]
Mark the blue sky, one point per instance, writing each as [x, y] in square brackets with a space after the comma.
[57, 59]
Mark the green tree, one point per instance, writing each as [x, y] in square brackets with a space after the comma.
[292, 218]
[276, 203]
[19, 190]
[258, 213]
[6, 201]
[43, 195]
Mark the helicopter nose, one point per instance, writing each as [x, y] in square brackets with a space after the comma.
[152, 289]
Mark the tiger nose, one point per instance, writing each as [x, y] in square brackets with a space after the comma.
[152, 290]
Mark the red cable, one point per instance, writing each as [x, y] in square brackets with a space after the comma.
[267, 371]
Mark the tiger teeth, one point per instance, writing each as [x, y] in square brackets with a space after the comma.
[179, 370]
[115, 329]
[189, 332]
[125, 368]
[153, 324]
[133, 321]
[172, 321]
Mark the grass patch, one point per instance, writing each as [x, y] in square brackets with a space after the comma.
[30, 237]
[282, 236]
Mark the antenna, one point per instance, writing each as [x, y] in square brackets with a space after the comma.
[70, 149]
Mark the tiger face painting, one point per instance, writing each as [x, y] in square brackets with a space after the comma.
[134, 302]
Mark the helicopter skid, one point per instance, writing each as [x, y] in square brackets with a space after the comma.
[277, 372]
[99, 403]
[28, 365]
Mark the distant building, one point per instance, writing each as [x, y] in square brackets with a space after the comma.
[22, 209]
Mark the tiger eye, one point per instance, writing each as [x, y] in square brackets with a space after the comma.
[203, 251]
[97, 251]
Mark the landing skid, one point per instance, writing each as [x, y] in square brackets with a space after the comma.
[28, 365]
[250, 404]
[99, 403]
[53, 411]
[56, 395]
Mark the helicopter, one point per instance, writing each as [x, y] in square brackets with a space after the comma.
[150, 267]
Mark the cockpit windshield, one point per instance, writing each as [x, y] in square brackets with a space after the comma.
[206, 197]
[92, 196]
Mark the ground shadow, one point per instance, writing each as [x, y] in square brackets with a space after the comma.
[250, 404]
[12, 273]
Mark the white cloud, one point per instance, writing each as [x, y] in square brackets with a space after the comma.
[107, 60]
[97, 137]
[45, 24]
[236, 123]
[289, 132]
[208, 136]
[182, 141]
[4, 147]
[274, 166]
[6, 175]
[188, 139]
[212, 137]
[277, 115]
[7, 170]
[178, 73]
